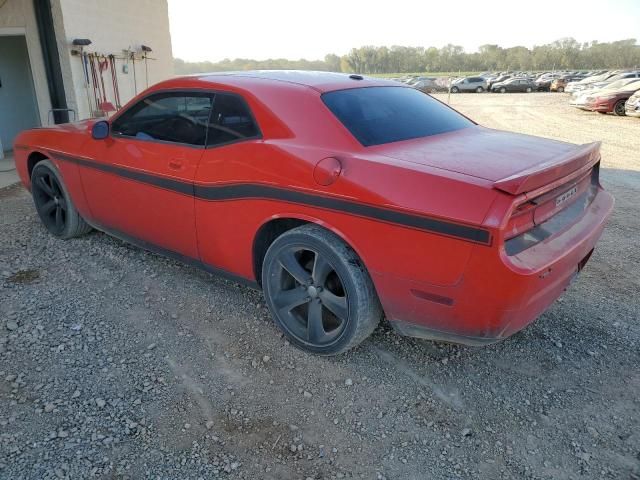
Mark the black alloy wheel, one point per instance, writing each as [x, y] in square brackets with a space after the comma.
[319, 293]
[310, 296]
[53, 202]
[50, 201]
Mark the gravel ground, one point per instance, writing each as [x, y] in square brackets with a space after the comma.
[116, 363]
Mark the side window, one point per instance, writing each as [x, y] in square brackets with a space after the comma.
[231, 120]
[178, 117]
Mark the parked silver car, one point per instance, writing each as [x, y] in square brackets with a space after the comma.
[469, 84]
[425, 84]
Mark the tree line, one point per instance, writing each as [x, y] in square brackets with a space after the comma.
[564, 54]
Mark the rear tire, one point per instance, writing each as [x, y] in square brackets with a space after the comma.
[560, 89]
[528, 89]
[479, 90]
[318, 291]
[53, 202]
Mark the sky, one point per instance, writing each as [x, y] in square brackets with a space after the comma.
[213, 30]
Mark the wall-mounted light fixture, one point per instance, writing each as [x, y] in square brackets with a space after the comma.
[81, 42]
[145, 49]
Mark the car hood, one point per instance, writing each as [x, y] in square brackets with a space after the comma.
[630, 87]
[478, 152]
[623, 92]
[78, 126]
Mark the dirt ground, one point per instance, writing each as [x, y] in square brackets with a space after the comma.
[116, 363]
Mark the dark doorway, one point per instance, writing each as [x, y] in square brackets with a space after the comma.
[18, 107]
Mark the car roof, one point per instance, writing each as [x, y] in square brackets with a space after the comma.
[321, 81]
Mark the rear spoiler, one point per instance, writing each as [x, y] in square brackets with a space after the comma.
[584, 156]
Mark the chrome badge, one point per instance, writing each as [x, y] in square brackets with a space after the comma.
[566, 196]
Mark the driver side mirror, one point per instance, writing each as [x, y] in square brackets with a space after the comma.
[100, 130]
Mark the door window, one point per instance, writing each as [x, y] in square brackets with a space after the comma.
[176, 117]
[231, 120]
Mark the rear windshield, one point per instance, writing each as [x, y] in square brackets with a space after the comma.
[377, 115]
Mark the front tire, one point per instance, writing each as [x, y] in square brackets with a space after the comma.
[479, 90]
[53, 202]
[455, 89]
[528, 89]
[319, 293]
[503, 90]
[619, 108]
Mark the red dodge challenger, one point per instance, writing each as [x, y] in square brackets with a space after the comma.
[344, 198]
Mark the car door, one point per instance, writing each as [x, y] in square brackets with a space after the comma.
[235, 156]
[141, 186]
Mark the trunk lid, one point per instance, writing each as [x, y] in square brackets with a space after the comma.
[513, 162]
[545, 177]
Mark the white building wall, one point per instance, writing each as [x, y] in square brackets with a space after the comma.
[17, 18]
[114, 27]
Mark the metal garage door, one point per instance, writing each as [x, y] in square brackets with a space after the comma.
[18, 109]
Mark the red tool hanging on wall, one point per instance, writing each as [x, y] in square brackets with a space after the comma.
[97, 65]
[114, 80]
[106, 106]
[94, 83]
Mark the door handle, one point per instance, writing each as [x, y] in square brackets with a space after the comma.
[175, 164]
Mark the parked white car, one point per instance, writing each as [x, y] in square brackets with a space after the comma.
[578, 98]
[609, 77]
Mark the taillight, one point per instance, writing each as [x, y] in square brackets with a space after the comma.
[521, 220]
[537, 207]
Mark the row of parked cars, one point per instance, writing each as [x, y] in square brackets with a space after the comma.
[486, 82]
[501, 82]
[616, 92]
[603, 91]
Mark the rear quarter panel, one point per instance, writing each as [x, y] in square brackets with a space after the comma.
[226, 229]
[295, 139]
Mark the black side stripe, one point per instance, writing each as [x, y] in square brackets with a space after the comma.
[230, 192]
[185, 188]
[267, 192]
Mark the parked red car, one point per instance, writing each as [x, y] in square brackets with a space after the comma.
[344, 198]
[609, 101]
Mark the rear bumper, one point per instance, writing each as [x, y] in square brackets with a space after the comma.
[499, 294]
